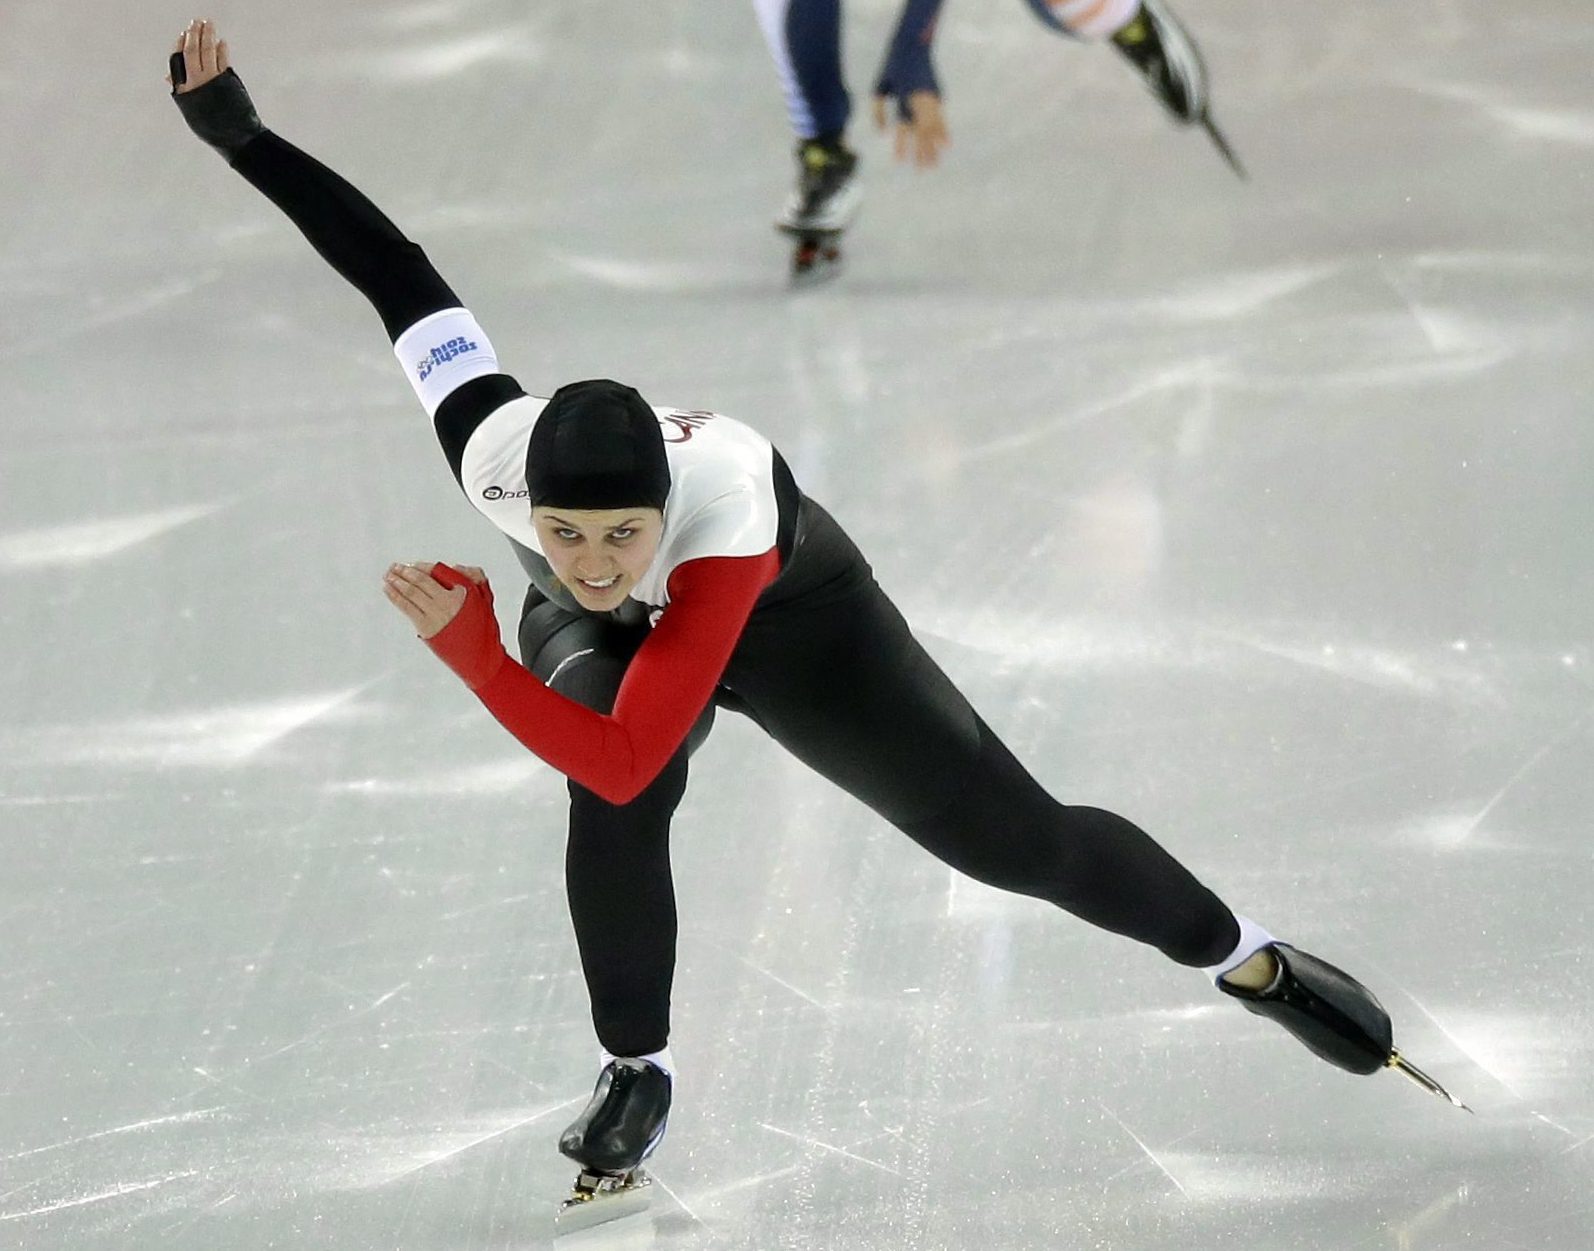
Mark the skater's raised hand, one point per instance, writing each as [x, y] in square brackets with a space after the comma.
[208, 93]
[452, 610]
[428, 603]
[204, 56]
[921, 131]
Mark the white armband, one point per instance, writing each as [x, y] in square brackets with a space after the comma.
[443, 352]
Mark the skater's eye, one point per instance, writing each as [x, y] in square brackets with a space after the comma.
[622, 533]
[565, 535]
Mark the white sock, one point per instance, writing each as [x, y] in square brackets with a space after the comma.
[658, 1059]
[1095, 19]
[1252, 939]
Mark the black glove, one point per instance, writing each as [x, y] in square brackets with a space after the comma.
[221, 112]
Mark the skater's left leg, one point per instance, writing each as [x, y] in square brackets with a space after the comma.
[1004, 829]
[845, 687]
[840, 681]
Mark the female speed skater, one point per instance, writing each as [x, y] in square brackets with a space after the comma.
[804, 37]
[676, 568]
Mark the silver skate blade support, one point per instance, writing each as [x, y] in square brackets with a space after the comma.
[597, 1199]
[1221, 142]
[1404, 1066]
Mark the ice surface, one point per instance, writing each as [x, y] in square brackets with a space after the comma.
[1258, 512]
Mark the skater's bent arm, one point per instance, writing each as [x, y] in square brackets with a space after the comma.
[666, 687]
[348, 231]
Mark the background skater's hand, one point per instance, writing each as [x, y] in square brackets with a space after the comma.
[204, 56]
[428, 604]
[922, 133]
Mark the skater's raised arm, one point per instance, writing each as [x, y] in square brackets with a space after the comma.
[353, 236]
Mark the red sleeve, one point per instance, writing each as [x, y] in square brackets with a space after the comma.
[665, 689]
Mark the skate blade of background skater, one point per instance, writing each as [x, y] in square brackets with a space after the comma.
[816, 258]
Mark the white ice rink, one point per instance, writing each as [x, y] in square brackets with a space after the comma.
[1261, 513]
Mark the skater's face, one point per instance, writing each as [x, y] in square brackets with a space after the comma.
[599, 553]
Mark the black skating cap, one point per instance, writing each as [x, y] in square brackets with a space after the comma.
[597, 444]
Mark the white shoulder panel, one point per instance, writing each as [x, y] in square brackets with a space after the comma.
[493, 468]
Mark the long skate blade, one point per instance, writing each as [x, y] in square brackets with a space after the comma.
[1221, 142]
[816, 259]
[1404, 1066]
[586, 1208]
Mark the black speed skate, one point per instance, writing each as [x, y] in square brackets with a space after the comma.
[821, 207]
[1157, 45]
[1335, 1016]
[616, 1131]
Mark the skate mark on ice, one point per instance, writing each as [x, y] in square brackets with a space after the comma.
[432, 58]
[711, 1197]
[1518, 1033]
[179, 1118]
[825, 1146]
[1534, 122]
[649, 276]
[1369, 666]
[205, 738]
[498, 777]
[485, 907]
[80, 543]
[1228, 1114]
[321, 1030]
[679, 1201]
[1204, 372]
[762, 971]
[194, 1217]
[1532, 762]
[1450, 334]
[433, 13]
[109, 315]
[116, 1192]
[780, 981]
[386, 1177]
[1233, 295]
[381, 999]
[1150, 1154]
[1423, 1224]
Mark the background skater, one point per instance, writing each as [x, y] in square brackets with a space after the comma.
[804, 37]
